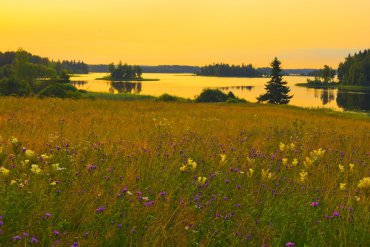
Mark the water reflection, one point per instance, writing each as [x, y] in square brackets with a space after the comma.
[326, 95]
[125, 87]
[79, 84]
[241, 88]
[353, 101]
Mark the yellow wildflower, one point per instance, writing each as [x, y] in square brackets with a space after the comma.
[21, 185]
[192, 164]
[357, 198]
[308, 162]
[25, 162]
[351, 167]
[265, 173]
[53, 183]
[251, 171]
[202, 180]
[364, 183]
[292, 146]
[223, 157]
[341, 168]
[270, 175]
[183, 168]
[250, 161]
[4, 171]
[294, 162]
[14, 140]
[13, 182]
[35, 169]
[29, 153]
[302, 176]
[45, 156]
[342, 186]
[284, 161]
[282, 146]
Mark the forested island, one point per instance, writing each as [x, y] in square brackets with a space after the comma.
[125, 72]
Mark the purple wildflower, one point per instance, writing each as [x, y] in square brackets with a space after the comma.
[75, 244]
[34, 240]
[314, 204]
[162, 193]
[227, 181]
[336, 214]
[238, 187]
[24, 149]
[25, 234]
[149, 204]
[15, 238]
[100, 209]
[289, 244]
[47, 215]
[56, 233]
[1, 223]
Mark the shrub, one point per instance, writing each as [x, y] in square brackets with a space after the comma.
[60, 90]
[212, 95]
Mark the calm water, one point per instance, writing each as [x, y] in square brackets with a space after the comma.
[189, 86]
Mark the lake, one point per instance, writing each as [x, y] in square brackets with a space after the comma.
[188, 86]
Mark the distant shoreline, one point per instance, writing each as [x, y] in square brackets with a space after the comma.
[126, 80]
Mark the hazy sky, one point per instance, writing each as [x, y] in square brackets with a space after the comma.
[302, 33]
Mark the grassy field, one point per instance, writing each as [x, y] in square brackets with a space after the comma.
[146, 173]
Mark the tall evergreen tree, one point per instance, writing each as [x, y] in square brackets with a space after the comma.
[276, 90]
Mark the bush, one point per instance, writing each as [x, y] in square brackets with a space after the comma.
[215, 95]
[60, 90]
[168, 98]
[10, 86]
[212, 95]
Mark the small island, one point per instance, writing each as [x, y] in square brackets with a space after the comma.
[353, 74]
[125, 72]
[226, 70]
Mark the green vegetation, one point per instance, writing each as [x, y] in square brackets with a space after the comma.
[226, 70]
[276, 90]
[314, 84]
[24, 74]
[124, 72]
[324, 76]
[181, 174]
[215, 95]
[355, 70]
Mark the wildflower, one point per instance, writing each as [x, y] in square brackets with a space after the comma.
[202, 180]
[292, 146]
[75, 244]
[162, 193]
[56, 233]
[45, 156]
[1, 223]
[21, 185]
[351, 167]
[34, 240]
[364, 183]
[100, 209]
[308, 162]
[336, 214]
[13, 182]
[282, 146]
[48, 215]
[341, 168]
[35, 169]
[302, 176]
[357, 198]
[251, 161]
[294, 162]
[265, 173]
[271, 175]
[14, 141]
[183, 168]
[251, 171]
[25, 162]
[53, 183]
[192, 164]
[290, 244]
[29, 153]
[223, 157]
[318, 153]
[342, 186]
[17, 237]
[314, 204]
[129, 193]
[284, 161]
[4, 171]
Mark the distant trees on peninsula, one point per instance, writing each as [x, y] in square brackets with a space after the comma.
[226, 70]
[324, 75]
[355, 70]
[124, 72]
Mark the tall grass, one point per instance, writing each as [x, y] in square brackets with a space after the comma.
[117, 173]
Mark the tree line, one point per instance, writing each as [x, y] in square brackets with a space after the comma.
[355, 70]
[226, 70]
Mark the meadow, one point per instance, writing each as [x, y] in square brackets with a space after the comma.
[146, 173]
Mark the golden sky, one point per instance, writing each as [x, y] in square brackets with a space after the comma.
[302, 33]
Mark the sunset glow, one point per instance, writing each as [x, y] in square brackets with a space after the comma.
[194, 32]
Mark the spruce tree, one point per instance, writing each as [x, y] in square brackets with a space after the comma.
[276, 90]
